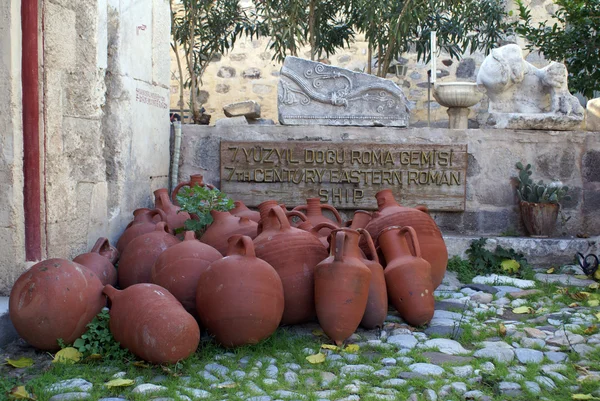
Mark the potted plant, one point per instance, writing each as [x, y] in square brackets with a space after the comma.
[540, 202]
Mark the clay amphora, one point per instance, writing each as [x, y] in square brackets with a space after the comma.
[240, 210]
[293, 253]
[360, 219]
[314, 213]
[138, 258]
[240, 297]
[99, 264]
[195, 179]
[175, 218]
[265, 207]
[407, 275]
[430, 238]
[178, 268]
[150, 322]
[377, 304]
[111, 253]
[55, 298]
[316, 230]
[142, 223]
[342, 286]
[225, 225]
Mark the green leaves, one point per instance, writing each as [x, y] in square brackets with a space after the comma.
[199, 201]
[98, 340]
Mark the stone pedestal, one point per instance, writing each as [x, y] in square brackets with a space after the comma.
[458, 117]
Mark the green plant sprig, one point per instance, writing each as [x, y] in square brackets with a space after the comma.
[199, 201]
[98, 340]
[539, 192]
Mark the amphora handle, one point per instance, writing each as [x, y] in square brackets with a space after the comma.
[414, 240]
[101, 245]
[338, 249]
[333, 210]
[240, 245]
[370, 244]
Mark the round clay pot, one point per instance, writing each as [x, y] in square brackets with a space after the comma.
[195, 179]
[539, 218]
[111, 253]
[314, 212]
[408, 275]
[178, 268]
[141, 253]
[293, 253]
[240, 210]
[99, 264]
[142, 223]
[377, 304]
[360, 219]
[175, 218]
[240, 297]
[150, 322]
[55, 298]
[390, 213]
[342, 287]
[225, 225]
[316, 230]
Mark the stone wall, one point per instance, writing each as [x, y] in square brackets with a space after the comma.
[491, 201]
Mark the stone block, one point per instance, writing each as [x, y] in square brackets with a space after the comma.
[247, 108]
[226, 72]
[60, 37]
[466, 68]
[132, 40]
[161, 42]
[251, 73]
[261, 121]
[592, 115]
[591, 166]
[231, 121]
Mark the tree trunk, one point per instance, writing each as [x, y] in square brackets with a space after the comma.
[311, 29]
[192, 65]
[178, 58]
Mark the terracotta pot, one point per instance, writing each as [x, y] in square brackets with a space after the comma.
[225, 225]
[175, 218]
[140, 255]
[342, 287]
[265, 207]
[293, 253]
[195, 179]
[150, 322]
[390, 213]
[178, 268]
[55, 298]
[142, 223]
[315, 230]
[111, 253]
[408, 275]
[314, 212]
[360, 219]
[377, 304]
[539, 218]
[99, 264]
[240, 210]
[240, 297]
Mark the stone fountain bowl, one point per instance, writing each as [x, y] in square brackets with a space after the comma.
[457, 94]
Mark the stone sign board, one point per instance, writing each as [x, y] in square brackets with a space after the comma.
[345, 175]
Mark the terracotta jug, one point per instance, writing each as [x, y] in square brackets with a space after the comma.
[140, 255]
[175, 218]
[293, 253]
[111, 253]
[150, 322]
[99, 264]
[225, 225]
[360, 219]
[408, 275]
[240, 297]
[315, 230]
[195, 179]
[390, 213]
[265, 207]
[240, 210]
[142, 223]
[178, 268]
[377, 304]
[342, 286]
[314, 213]
[55, 298]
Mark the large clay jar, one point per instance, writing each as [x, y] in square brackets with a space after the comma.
[175, 218]
[360, 219]
[55, 298]
[142, 223]
[138, 258]
[377, 304]
[430, 238]
[408, 275]
[240, 297]
[99, 264]
[314, 213]
[342, 286]
[150, 322]
[178, 268]
[293, 253]
[225, 225]
[111, 253]
[195, 179]
[240, 210]
[316, 230]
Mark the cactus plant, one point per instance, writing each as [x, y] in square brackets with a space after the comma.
[539, 192]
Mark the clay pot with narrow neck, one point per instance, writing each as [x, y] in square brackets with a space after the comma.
[314, 212]
[316, 230]
[195, 179]
[225, 225]
[360, 219]
[55, 298]
[430, 238]
[150, 322]
[240, 210]
[408, 275]
[179, 267]
[240, 297]
[141, 253]
[342, 286]
[175, 218]
[293, 253]
[143, 223]
[111, 253]
[265, 207]
[99, 264]
[377, 304]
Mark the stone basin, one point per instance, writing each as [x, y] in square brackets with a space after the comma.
[457, 94]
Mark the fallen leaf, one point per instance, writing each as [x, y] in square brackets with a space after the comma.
[593, 302]
[581, 276]
[502, 330]
[20, 393]
[20, 363]
[573, 305]
[591, 330]
[510, 266]
[141, 364]
[67, 355]
[329, 346]
[318, 332]
[227, 385]
[597, 315]
[580, 296]
[594, 286]
[523, 309]
[94, 357]
[550, 270]
[583, 397]
[316, 358]
[562, 290]
[352, 348]
[170, 372]
[119, 383]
